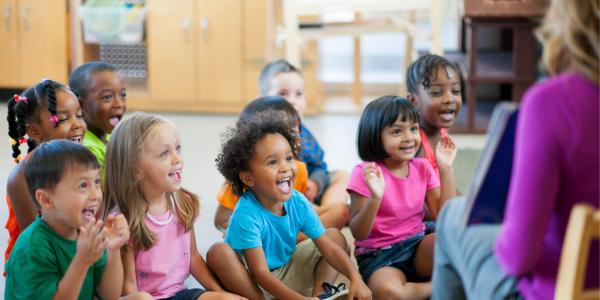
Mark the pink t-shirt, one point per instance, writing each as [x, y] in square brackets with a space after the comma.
[400, 214]
[162, 269]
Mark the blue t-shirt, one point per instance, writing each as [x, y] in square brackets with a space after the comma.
[252, 226]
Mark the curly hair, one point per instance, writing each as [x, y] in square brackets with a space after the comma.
[239, 143]
[423, 71]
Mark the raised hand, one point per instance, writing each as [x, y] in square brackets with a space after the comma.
[445, 151]
[374, 179]
[91, 242]
[117, 231]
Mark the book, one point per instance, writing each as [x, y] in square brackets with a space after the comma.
[487, 195]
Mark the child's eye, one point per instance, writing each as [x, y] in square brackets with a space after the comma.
[282, 94]
[97, 182]
[414, 129]
[164, 153]
[123, 96]
[299, 94]
[396, 131]
[272, 162]
[107, 98]
[289, 158]
[435, 93]
[456, 92]
[83, 186]
[178, 148]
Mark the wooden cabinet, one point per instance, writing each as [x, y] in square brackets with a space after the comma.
[194, 55]
[33, 34]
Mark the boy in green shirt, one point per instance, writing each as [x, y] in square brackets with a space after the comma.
[66, 253]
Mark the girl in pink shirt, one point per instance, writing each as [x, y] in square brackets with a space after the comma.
[388, 193]
[143, 177]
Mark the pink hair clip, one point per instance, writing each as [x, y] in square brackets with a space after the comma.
[54, 119]
[19, 98]
[22, 140]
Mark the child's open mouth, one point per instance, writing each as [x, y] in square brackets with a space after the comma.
[408, 149]
[285, 185]
[176, 175]
[448, 115]
[114, 121]
[89, 213]
[77, 139]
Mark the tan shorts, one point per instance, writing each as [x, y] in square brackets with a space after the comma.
[299, 273]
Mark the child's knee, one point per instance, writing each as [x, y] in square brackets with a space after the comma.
[340, 177]
[337, 237]
[219, 252]
[138, 296]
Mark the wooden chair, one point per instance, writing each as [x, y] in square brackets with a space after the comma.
[583, 228]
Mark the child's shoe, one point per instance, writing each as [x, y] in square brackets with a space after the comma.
[331, 292]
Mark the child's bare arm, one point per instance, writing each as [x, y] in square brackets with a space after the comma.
[129, 281]
[90, 247]
[222, 216]
[363, 209]
[445, 154]
[199, 269]
[340, 261]
[117, 235]
[257, 265]
[17, 191]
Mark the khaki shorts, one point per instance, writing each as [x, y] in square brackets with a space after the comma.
[298, 273]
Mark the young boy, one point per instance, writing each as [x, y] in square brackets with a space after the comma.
[280, 78]
[66, 253]
[258, 160]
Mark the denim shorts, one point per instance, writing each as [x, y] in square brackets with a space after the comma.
[400, 256]
[187, 294]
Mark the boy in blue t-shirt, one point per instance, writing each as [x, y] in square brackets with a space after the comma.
[258, 160]
[65, 253]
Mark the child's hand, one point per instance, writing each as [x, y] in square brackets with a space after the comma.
[374, 178]
[312, 189]
[359, 290]
[445, 151]
[91, 242]
[117, 231]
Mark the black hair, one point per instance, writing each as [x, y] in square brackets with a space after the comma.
[48, 163]
[423, 71]
[379, 114]
[271, 70]
[239, 142]
[276, 103]
[80, 79]
[24, 109]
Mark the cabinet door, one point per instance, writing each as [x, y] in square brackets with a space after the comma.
[10, 72]
[43, 43]
[220, 53]
[171, 37]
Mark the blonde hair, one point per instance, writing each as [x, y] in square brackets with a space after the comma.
[569, 35]
[121, 188]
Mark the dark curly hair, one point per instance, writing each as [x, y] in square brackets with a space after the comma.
[239, 142]
[423, 71]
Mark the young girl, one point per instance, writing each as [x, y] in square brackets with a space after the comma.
[143, 177]
[45, 112]
[331, 215]
[434, 86]
[102, 95]
[388, 192]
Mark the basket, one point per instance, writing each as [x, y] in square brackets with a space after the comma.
[112, 24]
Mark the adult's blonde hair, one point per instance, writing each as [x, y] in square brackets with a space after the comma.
[122, 189]
[569, 35]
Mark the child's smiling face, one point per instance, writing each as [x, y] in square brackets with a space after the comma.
[105, 102]
[272, 170]
[73, 202]
[70, 124]
[439, 105]
[401, 140]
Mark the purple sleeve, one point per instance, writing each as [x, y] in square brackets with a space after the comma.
[357, 182]
[534, 183]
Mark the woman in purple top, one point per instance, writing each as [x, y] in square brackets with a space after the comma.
[556, 165]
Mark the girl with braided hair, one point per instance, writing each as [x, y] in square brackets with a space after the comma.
[48, 111]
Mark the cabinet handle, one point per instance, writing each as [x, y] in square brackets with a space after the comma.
[186, 24]
[7, 13]
[25, 17]
[204, 27]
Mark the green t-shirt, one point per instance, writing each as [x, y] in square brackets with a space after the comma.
[94, 144]
[39, 261]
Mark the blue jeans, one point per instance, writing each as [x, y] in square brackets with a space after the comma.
[465, 266]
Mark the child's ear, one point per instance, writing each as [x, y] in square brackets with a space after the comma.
[412, 98]
[43, 198]
[247, 179]
[35, 132]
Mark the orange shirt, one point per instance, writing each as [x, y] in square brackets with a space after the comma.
[11, 225]
[227, 199]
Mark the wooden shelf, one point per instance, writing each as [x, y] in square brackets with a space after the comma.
[493, 66]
